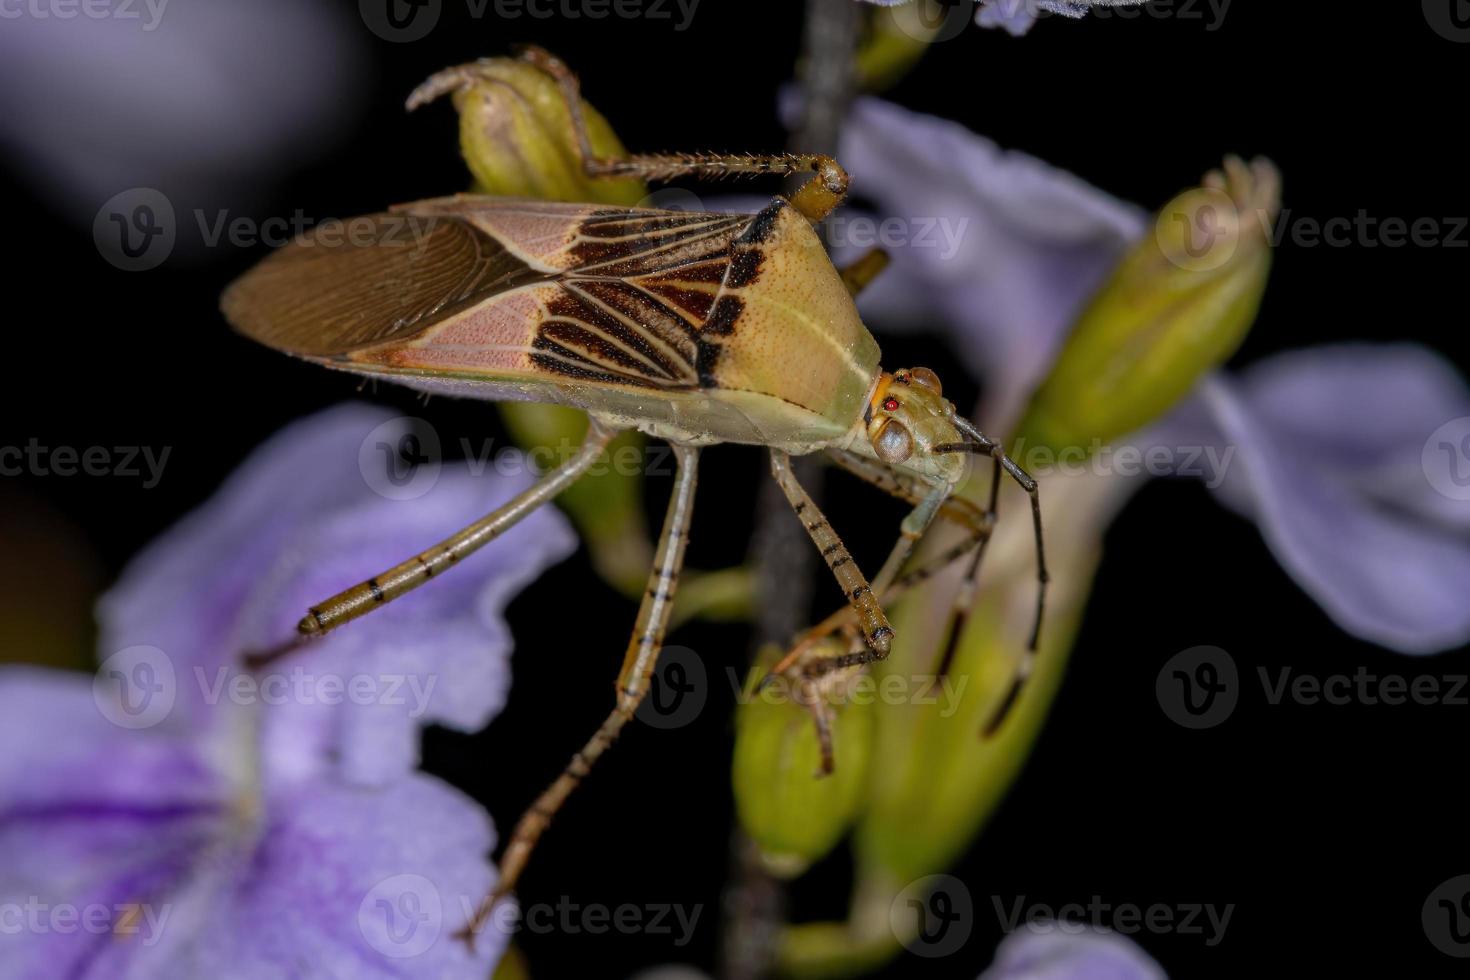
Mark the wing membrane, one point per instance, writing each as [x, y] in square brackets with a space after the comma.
[523, 290]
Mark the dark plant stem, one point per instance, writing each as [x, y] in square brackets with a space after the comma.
[784, 559]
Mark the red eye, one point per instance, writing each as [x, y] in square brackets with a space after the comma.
[890, 404]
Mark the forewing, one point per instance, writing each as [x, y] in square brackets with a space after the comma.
[523, 290]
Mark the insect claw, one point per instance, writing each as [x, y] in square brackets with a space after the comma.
[256, 659]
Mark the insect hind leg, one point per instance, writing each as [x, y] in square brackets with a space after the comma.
[814, 199]
[632, 686]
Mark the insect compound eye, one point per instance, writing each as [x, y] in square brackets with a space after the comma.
[927, 378]
[893, 444]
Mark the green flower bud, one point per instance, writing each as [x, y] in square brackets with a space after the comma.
[1177, 306]
[793, 809]
[938, 771]
[516, 134]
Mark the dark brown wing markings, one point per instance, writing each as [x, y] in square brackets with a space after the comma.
[649, 281]
[634, 305]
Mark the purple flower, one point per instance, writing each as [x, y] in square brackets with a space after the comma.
[1056, 954]
[180, 816]
[313, 511]
[1331, 451]
[155, 854]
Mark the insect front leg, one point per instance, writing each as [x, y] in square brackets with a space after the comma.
[876, 629]
[403, 578]
[979, 525]
[978, 533]
[633, 681]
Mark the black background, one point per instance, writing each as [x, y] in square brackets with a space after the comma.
[1327, 827]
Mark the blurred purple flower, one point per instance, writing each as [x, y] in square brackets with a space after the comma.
[177, 816]
[308, 514]
[1328, 445]
[1058, 955]
[156, 854]
[95, 99]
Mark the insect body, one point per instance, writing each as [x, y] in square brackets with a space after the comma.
[697, 328]
[694, 327]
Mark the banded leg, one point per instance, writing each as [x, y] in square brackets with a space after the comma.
[980, 526]
[381, 589]
[633, 680]
[815, 199]
[876, 630]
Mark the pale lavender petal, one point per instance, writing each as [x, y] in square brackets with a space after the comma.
[1015, 17]
[1384, 569]
[1062, 953]
[93, 818]
[135, 853]
[1013, 247]
[63, 752]
[299, 521]
[1366, 410]
[355, 882]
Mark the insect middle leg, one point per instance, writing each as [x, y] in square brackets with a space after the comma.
[633, 680]
[814, 199]
[403, 578]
